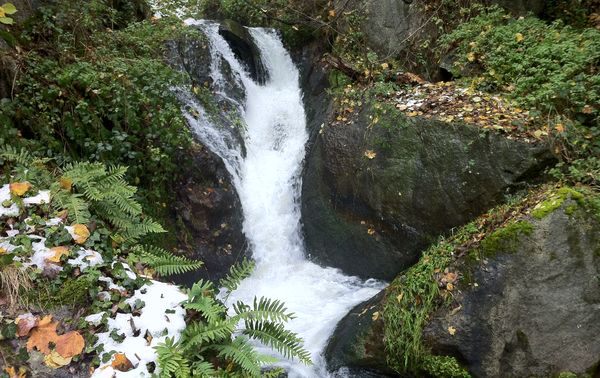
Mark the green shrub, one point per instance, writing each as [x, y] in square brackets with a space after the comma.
[551, 67]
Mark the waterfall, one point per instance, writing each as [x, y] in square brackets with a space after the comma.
[267, 178]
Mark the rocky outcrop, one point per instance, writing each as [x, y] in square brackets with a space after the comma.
[209, 215]
[529, 306]
[372, 215]
[536, 311]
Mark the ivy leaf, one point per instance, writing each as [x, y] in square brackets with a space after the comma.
[9, 8]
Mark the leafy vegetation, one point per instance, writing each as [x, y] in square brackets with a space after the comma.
[74, 244]
[214, 345]
[93, 85]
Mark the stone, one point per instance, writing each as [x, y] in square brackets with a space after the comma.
[373, 217]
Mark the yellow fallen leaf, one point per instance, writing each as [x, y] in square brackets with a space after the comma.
[559, 127]
[471, 57]
[371, 231]
[57, 253]
[375, 315]
[519, 37]
[3, 251]
[81, 233]
[449, 287]
[19, 188]
[451, 330]
[66, 183]
[399, 297]
[54, 360]
[385, 66]
[369, 154]
[12, 373]
[332, 13]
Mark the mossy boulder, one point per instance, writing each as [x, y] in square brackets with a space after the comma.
[523, 304]
[531, 309]
[372, 214]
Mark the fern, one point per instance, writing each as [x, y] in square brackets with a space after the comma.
[203, 369]
[11, 154]
[172, 361]
[111, 198]
[263, 309]
[237, 273]
[77, 208]
[197, 333]
[164, 262]
[277, 337]
[242, 354]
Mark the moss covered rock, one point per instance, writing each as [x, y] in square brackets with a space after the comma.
[375, 195]
[510, 294]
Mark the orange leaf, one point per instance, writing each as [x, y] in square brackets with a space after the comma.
[81, 233]
[57, 253]
[19, 188]
[42, 335]
[121, 362]
[70, 344]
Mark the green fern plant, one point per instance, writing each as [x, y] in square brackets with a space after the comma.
[164, 262]
[216, 343]
[108, 195]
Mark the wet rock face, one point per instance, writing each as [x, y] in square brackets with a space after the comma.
[210, 215]
[372, 217]
[245, 49]
[535, 312]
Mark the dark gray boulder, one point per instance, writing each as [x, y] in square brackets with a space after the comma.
[531, 308]
[372, 217]
[535, 312]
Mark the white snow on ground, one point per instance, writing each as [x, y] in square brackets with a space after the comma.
[11, 211]
[158, 298]
[42, 197]
[86, 258]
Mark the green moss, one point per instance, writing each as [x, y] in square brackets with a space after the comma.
[72, 292]
[444, 367]
[555, 201]
[506, 238]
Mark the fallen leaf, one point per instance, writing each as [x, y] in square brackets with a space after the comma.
[451, 330]
[587, 109]
[54, 360]
[371, 231]
[81, 233]
[19, 188]
[70, 344]
[57, 253]
[384, 66]
[399, 297]
[471, 57]
[519, 37]
[449, 287]
[559, 127]
[375, 315]
[25, 323]
[332, 13]
[121, 362]
[12, 372]
[369, 154]
[42, 335]
[66, 183]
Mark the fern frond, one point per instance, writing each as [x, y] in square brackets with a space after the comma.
[242, 354]
[172, 361]
[237, 273]
[203, 369]
[208, 307]
[263, 309]
[76, 207]
[164, 262]
[197, 333]
[275, 335]
[14, 155]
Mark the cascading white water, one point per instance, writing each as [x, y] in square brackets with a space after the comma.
[268, 182]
